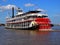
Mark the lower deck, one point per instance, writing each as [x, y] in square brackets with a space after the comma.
[28, 25]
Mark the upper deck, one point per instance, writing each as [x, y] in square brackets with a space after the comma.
[21, 15]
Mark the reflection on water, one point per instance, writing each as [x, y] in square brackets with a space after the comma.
[28, 37]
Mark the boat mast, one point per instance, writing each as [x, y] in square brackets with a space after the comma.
[12, 12]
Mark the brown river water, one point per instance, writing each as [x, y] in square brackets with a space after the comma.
[28, 37]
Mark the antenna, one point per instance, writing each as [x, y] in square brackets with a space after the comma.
[9, 14]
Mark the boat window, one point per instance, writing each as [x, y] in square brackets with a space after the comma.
[32, 16]
[41, 16]
[44, 16]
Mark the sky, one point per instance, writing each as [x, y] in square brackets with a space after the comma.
[52, 8]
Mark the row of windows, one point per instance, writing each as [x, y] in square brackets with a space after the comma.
[20, 19]
[21, 24]
[34, 16]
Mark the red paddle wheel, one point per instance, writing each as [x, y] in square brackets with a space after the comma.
[43, 23]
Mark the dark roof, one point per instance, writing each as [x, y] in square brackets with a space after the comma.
[31, 12]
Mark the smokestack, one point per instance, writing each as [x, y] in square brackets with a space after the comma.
[12, 12]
